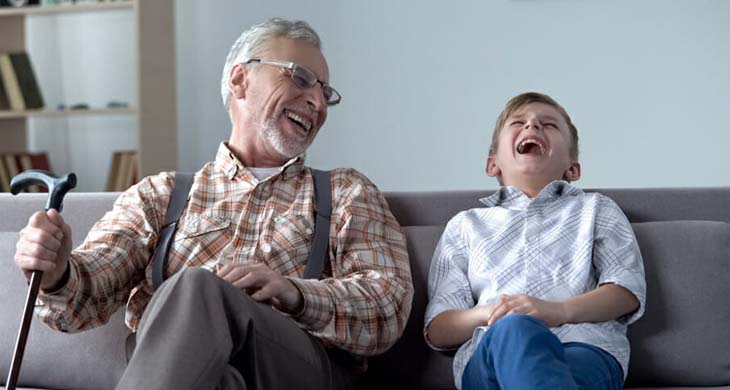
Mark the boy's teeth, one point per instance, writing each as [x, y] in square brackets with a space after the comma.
[523, 144]
[305, 123]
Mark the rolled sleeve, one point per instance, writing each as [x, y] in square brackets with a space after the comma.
[616, 255]
[448, 280]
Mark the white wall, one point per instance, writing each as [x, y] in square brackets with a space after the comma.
[646, 82]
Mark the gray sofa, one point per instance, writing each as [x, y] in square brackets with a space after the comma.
[683, 341]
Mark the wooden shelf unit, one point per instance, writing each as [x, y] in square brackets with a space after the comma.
[156, 111]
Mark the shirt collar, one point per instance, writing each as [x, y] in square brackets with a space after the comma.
[513, 196]
[232, 167]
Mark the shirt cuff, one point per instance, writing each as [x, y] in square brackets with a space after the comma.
[61, 296]
[316, 310]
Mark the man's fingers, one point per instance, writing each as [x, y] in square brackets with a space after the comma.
[35, 236]
[265, 293]
[29, 263]
[55, 217]
[252, 281]
[40, 219]
[231, 272]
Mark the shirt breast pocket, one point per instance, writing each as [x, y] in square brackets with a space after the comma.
[200, 238]
[290, 242]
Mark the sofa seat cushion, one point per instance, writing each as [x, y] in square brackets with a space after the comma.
[94, 359]
[684, 336]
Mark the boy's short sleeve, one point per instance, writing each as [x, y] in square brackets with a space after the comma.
[448, 280]
[616, 255]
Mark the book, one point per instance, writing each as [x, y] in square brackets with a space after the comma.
[4, 178]
[26, 80]
[124, 171]
[11, 165]
[111, 180]
[10, 82]
[25, 164]
[4, 102]
[14, 163]
[133, 176]
[39, 160]
[125, 164]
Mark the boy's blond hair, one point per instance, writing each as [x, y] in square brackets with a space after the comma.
[524, 99]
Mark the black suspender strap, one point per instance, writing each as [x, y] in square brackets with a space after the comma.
[322, 212]
[178, 200]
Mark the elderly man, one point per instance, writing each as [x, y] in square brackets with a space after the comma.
[235, 311]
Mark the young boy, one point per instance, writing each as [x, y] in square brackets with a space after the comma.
[536, 289]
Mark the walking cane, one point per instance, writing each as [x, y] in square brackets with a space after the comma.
[57, 188]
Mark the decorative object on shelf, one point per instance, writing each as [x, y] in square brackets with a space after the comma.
[17, 3]
[116, 104]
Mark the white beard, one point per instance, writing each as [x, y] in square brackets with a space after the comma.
[288, 147]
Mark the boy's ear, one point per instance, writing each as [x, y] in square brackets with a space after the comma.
[492, 168]
[238, 82]
[573, 172]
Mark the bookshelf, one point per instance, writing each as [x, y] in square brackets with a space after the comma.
[154, 112]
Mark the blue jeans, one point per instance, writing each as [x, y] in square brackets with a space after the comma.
[520, 352]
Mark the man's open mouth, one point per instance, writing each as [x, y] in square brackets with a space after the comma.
[531, 146]
[298, 120]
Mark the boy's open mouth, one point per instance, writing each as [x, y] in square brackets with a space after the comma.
[531, 146]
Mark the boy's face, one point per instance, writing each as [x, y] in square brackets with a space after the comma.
[533, 149]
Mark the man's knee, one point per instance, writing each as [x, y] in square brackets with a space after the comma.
[191, 277]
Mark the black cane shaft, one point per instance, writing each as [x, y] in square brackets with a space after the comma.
[35, 284]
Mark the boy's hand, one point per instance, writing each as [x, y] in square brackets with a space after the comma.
[552, 313]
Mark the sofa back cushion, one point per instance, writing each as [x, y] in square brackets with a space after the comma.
[94, 359]
[684, 337]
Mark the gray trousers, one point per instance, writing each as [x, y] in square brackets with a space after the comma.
[200, 332]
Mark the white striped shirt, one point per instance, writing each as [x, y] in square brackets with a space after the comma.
[558, 245]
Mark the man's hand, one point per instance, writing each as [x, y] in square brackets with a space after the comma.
[264, 285]
[44, 245]
[552, 313]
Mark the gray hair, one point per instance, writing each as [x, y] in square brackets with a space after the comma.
[251, 41]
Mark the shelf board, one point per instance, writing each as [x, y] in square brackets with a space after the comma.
[65, 8]
[65, 113]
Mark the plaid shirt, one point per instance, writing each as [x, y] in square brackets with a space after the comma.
[360, 304]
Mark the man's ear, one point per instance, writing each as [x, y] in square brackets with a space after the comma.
[573, 172]
[492, 168]
[238, 81]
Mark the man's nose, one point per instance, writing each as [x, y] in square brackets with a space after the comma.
[315, 98]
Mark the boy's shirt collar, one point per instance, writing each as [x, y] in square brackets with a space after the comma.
[513, 197]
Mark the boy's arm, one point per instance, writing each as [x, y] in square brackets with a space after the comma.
[452, 328]
[451, 316]
[605, 303]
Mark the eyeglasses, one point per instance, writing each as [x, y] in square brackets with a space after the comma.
[303, 78]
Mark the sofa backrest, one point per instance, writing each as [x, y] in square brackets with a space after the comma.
[683, 338]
